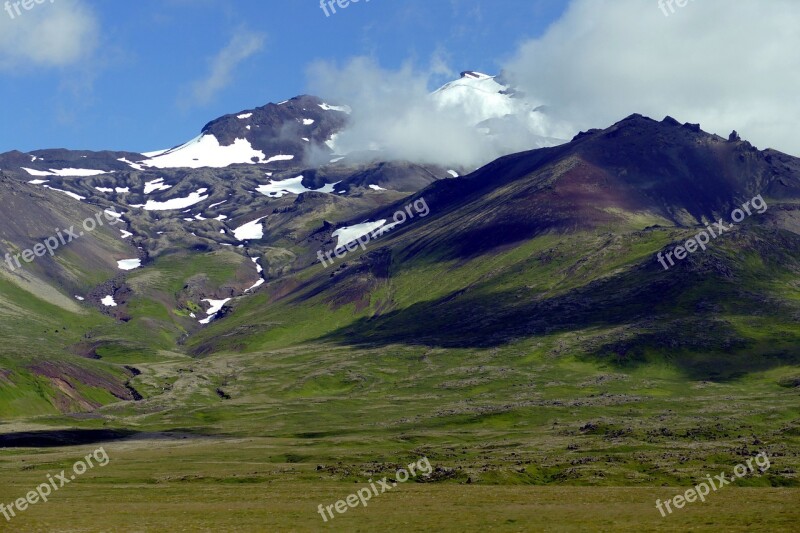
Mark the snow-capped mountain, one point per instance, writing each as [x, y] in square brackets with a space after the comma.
[257, 178]
[245, 183]
[274, 133]
[289, 148]
[306, 128]
[478, 96]
[465, 123]
[498, 110]
[301, 132]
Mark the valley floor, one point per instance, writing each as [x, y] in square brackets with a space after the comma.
[523, 437]
[220, 485]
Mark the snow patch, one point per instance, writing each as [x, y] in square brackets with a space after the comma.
[134, 166]
[349, 234]
[155, 185]
[341, 109]
[70, 194]
[279, 158]
[66, 172]
[255, 285]
[250, 231]
[216, 307]
[278, 189]
[177, 203]
[129, 264]
[155, 153]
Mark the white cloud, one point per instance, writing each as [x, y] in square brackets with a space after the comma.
[243, 45]
[51, 34]
[394, 112]
[727, 65]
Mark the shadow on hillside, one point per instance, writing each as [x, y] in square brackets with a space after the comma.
[76, 437]
[676, 314]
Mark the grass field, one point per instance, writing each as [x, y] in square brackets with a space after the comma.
[548, 392]
[235, 485]
[521, 439]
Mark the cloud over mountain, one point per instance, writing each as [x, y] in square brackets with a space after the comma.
[718, 63]
[723, 64]
[467, 123]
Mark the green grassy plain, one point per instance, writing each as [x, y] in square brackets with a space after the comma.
[522, 439]
[233, 485]
[559, 385]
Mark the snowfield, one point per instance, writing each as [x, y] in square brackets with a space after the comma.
[177, 203]
[205, 151]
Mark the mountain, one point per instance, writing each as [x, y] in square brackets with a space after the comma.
[664, 172]
[34, 214]
[222, 235]
[267, 171]
[280, 134]
[505, 323]
[194, 226]
[498, 110]
[564, 240]
[214, 191]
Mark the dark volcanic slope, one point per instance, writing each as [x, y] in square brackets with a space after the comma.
[638, 168]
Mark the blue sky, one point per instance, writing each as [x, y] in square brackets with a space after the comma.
[143, 75]
[148, 74]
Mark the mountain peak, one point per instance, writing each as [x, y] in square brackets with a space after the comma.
[475, 75]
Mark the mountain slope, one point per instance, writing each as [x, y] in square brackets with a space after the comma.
[556, 244]
[562, 242]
